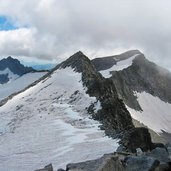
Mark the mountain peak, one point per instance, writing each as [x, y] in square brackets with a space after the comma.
[77, 61]
[14, 66]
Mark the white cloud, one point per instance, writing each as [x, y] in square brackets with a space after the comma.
[58, 28]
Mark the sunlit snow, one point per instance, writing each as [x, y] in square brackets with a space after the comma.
[48, 123]
[156, 113]
[119, 66]
[19, 83]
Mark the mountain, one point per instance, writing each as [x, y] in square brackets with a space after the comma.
[14, 76]
[10, 69]
[59, 116]
[19, 83]
[79, 111]
[144, 87]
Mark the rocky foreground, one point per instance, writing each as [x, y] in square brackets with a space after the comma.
[135, 153]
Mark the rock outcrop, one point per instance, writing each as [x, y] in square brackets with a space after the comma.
[113, 114]
[137, 138]
[121, 161]
[142, 75]
[46, 168]
[108, 162]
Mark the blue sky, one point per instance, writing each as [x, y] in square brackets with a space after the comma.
[6, 24]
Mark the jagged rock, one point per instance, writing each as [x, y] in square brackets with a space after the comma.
[140, 163]
[46, 168]
[137, 78]
[160, 154]
[137, 138]
[113, 115]
[108, 162]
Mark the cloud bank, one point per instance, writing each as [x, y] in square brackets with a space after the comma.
[53, 29]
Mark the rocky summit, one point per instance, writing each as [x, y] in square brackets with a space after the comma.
[113, 115]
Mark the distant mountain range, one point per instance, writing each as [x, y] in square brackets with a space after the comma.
[11, 68]
[43, 66]
[14, 76]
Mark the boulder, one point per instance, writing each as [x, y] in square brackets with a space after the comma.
[46, 168]
[140, 163]
[160, 154]
[108, 162]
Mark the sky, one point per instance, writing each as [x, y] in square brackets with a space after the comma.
[52, 30]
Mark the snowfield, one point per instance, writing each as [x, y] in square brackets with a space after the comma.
[156, 113]
[11, 75]
[120, 65]
[48, 123]
[19, 83]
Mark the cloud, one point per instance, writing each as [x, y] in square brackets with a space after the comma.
[56, 29]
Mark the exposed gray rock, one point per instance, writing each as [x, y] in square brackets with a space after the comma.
[113, 115]
[46, 168]
[137, 78]
[143, 163]
[104, 63]
[160, 154]
[106, 163]
[137, 138]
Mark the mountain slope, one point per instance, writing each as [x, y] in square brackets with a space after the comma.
[10, 69]
[19, 83]
[145, 89]
[50, 121]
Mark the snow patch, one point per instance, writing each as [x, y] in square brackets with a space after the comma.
[119, 66]
[156, 113]
[19, 84]
[97, 106]
[11, 75]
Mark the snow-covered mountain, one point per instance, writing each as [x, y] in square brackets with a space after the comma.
[14, 76]
[19, 83]
[144, 87]
[64, 116]
[52, 120]
[11, 68]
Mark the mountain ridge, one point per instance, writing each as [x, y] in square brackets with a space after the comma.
[11, 68]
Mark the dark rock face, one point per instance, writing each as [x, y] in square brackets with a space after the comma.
[113, 115]
[15, 66]
[142, 75]
[137, 138]
[105, 163]
[4, 78]
[104, 63]
[46, 168]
